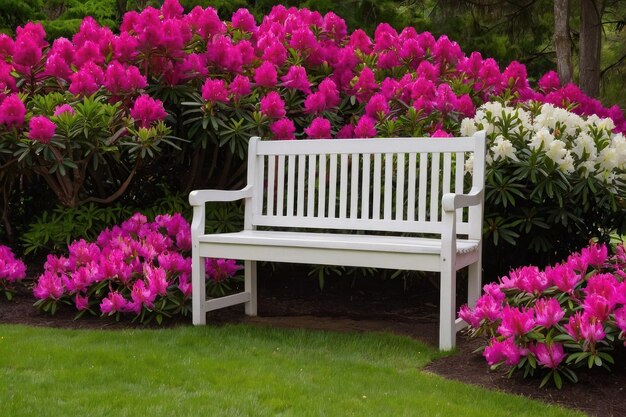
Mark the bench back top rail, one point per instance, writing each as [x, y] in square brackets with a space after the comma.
[393, 185]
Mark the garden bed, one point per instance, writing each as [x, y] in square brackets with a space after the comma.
[290, 302]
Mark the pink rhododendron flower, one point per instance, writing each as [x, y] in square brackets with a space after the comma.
[87, 80]
[11, 268]
[440, 133]
[315, 103]
[319, 129]
[142, 296]
[147, 110]
[296, 78]
[7, 46]
[63, 108]
[57, 67]
[240, 86]
[516, 322]
[114, 303]
[172, 9]
[346, 132]
[527, 278]
[377, 107]
[49, 286]
[506, 351]
[549, 355]
[335, 26]
[597, 306]
[303, 39]
[265, 75]
[215, 91]
[620, 318]
[365, 127]
[563, 276]
[548, 312]
[283, 129]
[220, 269]
[467, 315]
[446, 51]
[81, 302]
[27, 51]
[365, 86]
[12, 111]
[273, 106]
[360, 40]
[184, 285]
[595, 254]
[604, 285]
[549, 82]
[275, 53]
[243, 20]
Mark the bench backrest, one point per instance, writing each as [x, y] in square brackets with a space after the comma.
[382, 184]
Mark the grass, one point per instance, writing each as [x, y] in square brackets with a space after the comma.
[234, 370]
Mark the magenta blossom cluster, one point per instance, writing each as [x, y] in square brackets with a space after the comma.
[555, 317]
[12, 269]
[139, 267]
[289, 51]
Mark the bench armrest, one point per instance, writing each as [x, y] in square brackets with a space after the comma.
[199, 197]
[451, 202]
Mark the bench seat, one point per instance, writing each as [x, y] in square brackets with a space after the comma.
[286, 246]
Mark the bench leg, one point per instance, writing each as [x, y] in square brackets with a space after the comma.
[474, 282]
[250, 287]
[198, 295]
[447, 306]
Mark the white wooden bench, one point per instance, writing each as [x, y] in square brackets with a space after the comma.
[367, 192]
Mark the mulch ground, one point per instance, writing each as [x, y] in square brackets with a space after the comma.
[294, 305]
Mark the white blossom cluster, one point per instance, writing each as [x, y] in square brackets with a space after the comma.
[585, 145]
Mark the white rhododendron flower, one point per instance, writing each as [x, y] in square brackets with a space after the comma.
[503, 149]
[542, 138]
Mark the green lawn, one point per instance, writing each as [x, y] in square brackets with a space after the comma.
[235, 370]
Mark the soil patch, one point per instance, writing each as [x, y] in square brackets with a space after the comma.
[300, 304]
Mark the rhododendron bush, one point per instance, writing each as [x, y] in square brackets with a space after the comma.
[12, 270]
[553, 180]
[552, 321]
[139, 268]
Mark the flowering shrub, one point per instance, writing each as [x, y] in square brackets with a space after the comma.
[555, 320]
[140, 268]
[12, 270]
[553, 179]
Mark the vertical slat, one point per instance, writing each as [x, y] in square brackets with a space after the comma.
[291, 174]
[310, 203]
[377, 181]
[332, 186]
[271, 183]
[410, 215]
[458, 179]
[354, 187]
[260, 178]
[388, 185]
[343, 187]
[301, 174]
[321, 198]
[280, 186]
[447, 172]
[400, 188]
[365, 190]
[421, 207]
[434, 187]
